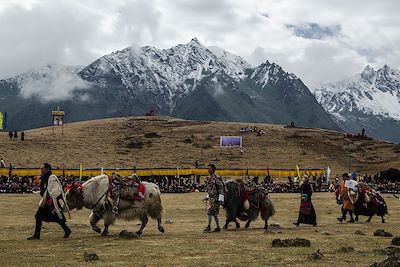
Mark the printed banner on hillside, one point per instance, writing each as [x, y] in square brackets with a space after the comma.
[1, 121]
[230, 141]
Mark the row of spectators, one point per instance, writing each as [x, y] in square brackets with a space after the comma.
[27, 184]
[174, 184]
[18, 184]
[254, 129]
[171, 184]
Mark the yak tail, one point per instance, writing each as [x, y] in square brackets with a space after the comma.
[385, 210]
[270, 208]
[382, 211]
[154, 206]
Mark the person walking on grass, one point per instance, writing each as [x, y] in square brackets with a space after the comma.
[215, 190]
[307, 213]
[347, 206]
[50, 209]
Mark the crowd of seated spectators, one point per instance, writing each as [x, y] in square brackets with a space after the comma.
[361, 135]
[254, 129]
[378, 184]
[176, 184]
[17, 184]
[319, 184]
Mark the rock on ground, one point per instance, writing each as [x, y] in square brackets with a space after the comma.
[346, 249]
[90, 257]
[128, 235]
[297, 242]
[381, 232]
[396, 241]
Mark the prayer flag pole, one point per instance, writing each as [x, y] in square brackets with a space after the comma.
[298, 171]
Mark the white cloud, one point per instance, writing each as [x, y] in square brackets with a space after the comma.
[74, 32]
[54, 83]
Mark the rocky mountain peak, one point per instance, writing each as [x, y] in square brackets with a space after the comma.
[368, 73]
[368, 100]
[187, 81]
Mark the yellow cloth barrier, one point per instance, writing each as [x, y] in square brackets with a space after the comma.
[169, 172]
[1, 121]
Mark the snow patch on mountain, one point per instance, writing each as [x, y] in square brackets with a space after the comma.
[233, 62]
[371, 92]
[268, 73]
[172, 72]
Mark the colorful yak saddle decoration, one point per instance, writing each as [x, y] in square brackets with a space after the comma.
[126, 188]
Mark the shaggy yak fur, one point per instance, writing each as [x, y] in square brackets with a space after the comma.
[234, 206]
[367, 207]
[93, 195]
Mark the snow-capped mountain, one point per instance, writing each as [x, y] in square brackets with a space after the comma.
[270, 73]
[172, 72]
[370, 100]
[188, 81]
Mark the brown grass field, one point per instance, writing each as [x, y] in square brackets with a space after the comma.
[168, 142]
[184, 244]
[152, 142]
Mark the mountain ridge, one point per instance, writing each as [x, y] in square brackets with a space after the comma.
[369, 100]
[179, 81]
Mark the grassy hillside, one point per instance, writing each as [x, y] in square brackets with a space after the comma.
[168, 142]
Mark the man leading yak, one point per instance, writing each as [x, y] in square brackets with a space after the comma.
[347, 206]
[215, 190]
[50, 209]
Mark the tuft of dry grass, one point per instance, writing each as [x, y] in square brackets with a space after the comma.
[184, 244]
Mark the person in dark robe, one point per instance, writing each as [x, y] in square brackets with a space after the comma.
[50, 209]
[307, 213]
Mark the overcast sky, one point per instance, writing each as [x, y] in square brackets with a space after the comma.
[319, 41]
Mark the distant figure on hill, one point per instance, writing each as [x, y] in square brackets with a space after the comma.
[261, 132]
[15, 135]
[2, 163]
[10, 135]
[22, 136]
[363, 132]
[292, 124]
[151, 113]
